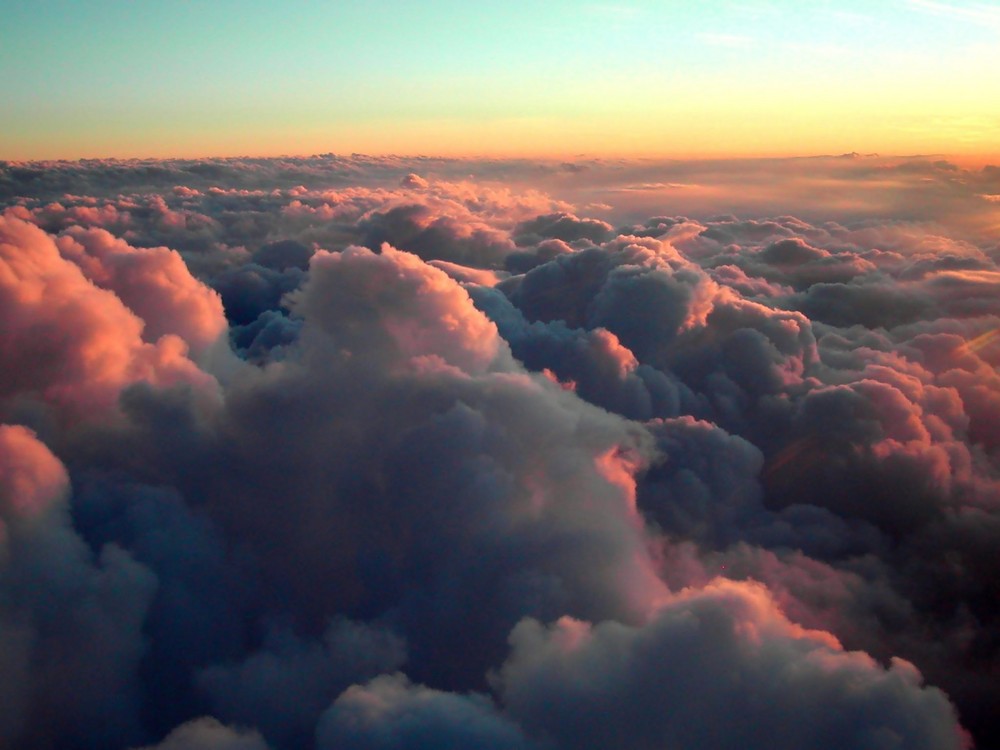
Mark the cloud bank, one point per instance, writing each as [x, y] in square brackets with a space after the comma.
[354, 452]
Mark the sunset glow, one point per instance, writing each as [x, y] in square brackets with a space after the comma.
[528, 376]
[150, 79]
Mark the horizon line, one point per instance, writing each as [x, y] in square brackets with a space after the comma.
[583, 156]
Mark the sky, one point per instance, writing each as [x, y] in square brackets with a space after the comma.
[536, 376]
[156, 79]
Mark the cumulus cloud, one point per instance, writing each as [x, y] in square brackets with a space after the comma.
[389, 713]
[365, 452]
[561, 226]
[208, 734]
[396, 308]
[419, 229]
[70, 620]
[716, 667]
[153, 283]
[72, 345]
[283, 689]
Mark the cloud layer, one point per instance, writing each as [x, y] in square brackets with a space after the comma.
[369, 453]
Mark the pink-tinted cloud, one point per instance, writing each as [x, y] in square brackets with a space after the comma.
[154, 283]
[32, 480]
[68, 343]
[417, 311]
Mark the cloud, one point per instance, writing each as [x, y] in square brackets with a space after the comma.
[71, 622]
[396, 308]
[283, 689]
[389, 453]
[414, 181]
[561, 226]
[208, 734]
[972, 12]
[34, 480]
[154, 283]
[72, 346]
[720, 665]
[390, 713]
[418, 229]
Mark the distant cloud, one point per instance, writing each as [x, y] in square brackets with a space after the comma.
[652, 186]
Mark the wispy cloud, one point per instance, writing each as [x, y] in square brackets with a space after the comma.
[972, 12]
[647, 186]
[851, 17]
[732, 41]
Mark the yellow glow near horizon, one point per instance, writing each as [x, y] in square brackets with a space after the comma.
[645, 79]
[809, 131]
